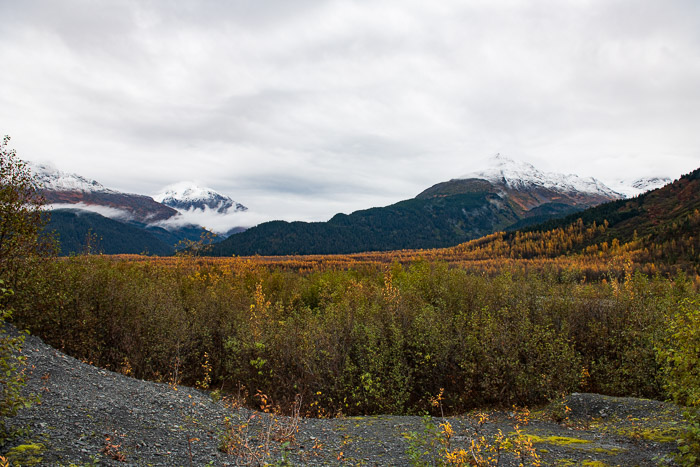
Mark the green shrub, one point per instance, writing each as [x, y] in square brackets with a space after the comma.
[376, 340]
[680, 355]
[12, 377]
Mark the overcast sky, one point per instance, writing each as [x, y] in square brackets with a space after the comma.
[302, 109]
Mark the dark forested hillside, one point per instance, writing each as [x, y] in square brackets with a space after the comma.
[654, 214]
[661, 226]
[444, 215]
[415, 223]
[78, 230]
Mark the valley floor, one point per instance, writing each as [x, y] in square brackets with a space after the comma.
[89, 415]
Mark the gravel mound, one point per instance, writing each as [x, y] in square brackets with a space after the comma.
[88, 415]
[591, 406]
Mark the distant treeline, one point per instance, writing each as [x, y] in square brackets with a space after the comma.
[415, 223]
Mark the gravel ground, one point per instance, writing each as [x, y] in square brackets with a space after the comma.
[88, 415]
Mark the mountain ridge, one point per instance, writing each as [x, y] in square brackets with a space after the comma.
[443, 215]
[507, 196]
[635, 187]
[520, 175]
[659, 227]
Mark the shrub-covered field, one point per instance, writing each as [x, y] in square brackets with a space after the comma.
[373, 338]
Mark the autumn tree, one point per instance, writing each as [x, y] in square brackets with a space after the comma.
[21, 221]
[21, 217]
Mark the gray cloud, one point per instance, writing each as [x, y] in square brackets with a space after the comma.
[303, 109]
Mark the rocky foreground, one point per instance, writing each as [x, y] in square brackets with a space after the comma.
[90, 416]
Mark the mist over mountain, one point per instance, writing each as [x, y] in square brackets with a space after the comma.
[61, 190]
[186, 196]
[204, 207]
[127, 222]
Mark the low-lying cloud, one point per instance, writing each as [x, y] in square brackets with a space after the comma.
[106, 211]
[213, 220]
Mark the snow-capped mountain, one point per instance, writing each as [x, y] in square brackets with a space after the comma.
[68, 190]
[186, 208]
[52, 179]
[632, 188]
[186, 196]
[519, 175]
[126, 222]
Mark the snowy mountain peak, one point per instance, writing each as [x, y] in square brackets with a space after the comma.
[519, 175]
[632, 188]
[50, 178]
[189, 196]
[651, 183]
